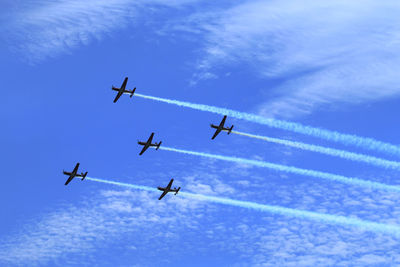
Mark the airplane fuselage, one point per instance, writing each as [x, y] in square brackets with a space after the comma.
[122, 90]
[164, 188]
[74, 174]
[220, 127]
[144, 143]
[148, 144]
[168, 189]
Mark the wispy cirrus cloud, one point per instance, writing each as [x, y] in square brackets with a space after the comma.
[144, 228]
[347, 55]
[54, 27]
[79, 230]
[94, 222]
[320, 52]
[50, 28]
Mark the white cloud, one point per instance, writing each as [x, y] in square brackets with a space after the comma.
[96, 221]
[323, 52]
[50, 28]
[255, 238]
[80, 229]
[346, 55]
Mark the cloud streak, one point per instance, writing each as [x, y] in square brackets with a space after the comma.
[387, 164]
[72, 232]
[291, 169]
[325, 218]
[347, 139]
[55, 27]
[349, 55]
[137, 227]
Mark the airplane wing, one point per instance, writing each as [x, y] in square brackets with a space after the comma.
[76, 168]
[150, 138]
[223, 121]
[118, 95]
[163, 194]
[124, 84]
[145, 147]
[216, 133]
[69, 179]
[170, 184]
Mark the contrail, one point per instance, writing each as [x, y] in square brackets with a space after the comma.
[387, 164]
[302, 214]
[347, 139]
[290, 169]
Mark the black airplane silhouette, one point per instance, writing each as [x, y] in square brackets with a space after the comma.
[168, 189]
[122, 90]
[74, 174]
[221, 127]
[148, 144]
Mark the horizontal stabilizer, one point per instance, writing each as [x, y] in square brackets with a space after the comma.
[133, 91]
[158, 145]
[84, 175]
[230, 129]
[177, 190]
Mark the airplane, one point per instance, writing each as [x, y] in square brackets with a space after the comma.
[148, 144]
[168, 189]
[122, 90]
[74, 174]
[221, 127]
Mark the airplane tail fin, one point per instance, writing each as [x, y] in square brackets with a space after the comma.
[158, 145]
[84, 176]
[230, 129]
[179, 188]
[133, 91]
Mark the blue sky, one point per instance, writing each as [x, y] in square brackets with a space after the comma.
[332, 65]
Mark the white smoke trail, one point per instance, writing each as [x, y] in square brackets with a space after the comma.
[328, 151]
[295, 170]
[347, 139]
[302, 214]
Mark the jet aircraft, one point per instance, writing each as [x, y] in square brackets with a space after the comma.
[122, 90]
[148, 144]
[168, 189]
[221, 127]
[74, 174]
